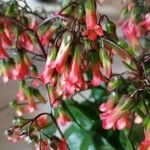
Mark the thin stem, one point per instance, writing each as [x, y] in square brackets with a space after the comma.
[41, 46]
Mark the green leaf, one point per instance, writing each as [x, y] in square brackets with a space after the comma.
[50, 129]
[82, 139]
[81, 112]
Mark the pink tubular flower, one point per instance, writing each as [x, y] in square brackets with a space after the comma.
[6, 42]
[97, 77]
[42, 145]
[47, 74]
[8, 29]
[63, 118]
[118, 116]
[46, 37]
[63, 52]
[93, 29]
[7, 71]
[31, 103]
[75, 66]
[3, 53]
[22, 67]
[26, 42]
[21, 93]
[62, 145]
[111, 102]
[145, 144]
[42, 121]
[132, 32]
[20, 110]
[146, 22]
[74, 78]
[14, 134]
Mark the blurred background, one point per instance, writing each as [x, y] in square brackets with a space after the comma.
[7, 91]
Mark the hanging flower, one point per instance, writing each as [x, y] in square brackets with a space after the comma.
[8, 29]
[5, 40]
[74, 78]
[131, 31]
[47, 74]
[93, 29]
[97, 77]
[63, 118]
[117, 117]
[22, 67]
[13, 134]
[110, 104]
[21, 93]
[42, 121]
[7, 70]
[43, 144]
[3, 53]
[62, 145]
[75, 70]
[31, 103]
[63, 52]
[146, 22]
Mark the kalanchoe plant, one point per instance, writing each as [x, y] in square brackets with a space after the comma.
[76, 47]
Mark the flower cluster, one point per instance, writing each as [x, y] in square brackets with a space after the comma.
[75, 48]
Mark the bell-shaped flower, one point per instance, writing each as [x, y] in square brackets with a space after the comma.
[63, 52]
[42, 121]
[47, 75]
[118, 116]
[8, 29]
[93, 29]
[75, 69]
[63, 119]
[74, 77]
[5, 40]
[6, 69]
[146, 22]
[43, 144]
[22, 67]
[31, 102]
[25, 41]
[62, 144]
[111, 102]
[3, 53]
[21, 95]
[132, 32]
[97, 77]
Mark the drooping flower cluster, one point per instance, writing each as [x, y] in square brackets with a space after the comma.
[76, 47]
